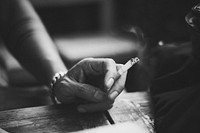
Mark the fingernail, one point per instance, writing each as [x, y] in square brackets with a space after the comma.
[99, 95]
[110, 83]
[113, 95]
[81, 110]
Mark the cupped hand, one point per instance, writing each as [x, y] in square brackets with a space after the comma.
[94, 81]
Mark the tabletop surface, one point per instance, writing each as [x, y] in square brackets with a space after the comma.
[128, 107]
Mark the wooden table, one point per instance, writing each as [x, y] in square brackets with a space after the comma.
[128, 107]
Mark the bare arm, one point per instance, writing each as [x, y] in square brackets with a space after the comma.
[28, 40]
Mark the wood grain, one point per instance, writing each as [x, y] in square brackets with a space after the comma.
[65, 118]
[134, 107]
[59, 118]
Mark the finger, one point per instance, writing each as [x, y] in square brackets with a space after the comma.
[90, 93]
[98, 65]
[105, 66]
[112, 77]
[118, 87]
[85, 91]
[94, 107]
[68, 89]
[110, 73]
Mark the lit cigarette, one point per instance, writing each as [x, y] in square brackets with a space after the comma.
[128, 65]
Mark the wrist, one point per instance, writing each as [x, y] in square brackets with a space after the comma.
[56, 78]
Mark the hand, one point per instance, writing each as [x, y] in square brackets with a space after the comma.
[93, 80]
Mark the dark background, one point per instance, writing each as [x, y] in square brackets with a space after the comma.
[159, 19]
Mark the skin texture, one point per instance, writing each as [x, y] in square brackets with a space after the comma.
[98, 95]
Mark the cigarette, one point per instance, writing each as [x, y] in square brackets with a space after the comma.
[128, 65]
[114, 93]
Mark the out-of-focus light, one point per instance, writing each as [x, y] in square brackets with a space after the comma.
[160, 43]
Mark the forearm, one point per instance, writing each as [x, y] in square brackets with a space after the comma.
[38, 54]
[29, 42]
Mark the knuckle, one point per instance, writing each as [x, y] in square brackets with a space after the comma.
[120, 89]
[120, 86]
[87, 59]
[109, 60]
[84, 62]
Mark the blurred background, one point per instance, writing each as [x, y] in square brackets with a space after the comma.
[159, 19]
[101, 28]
